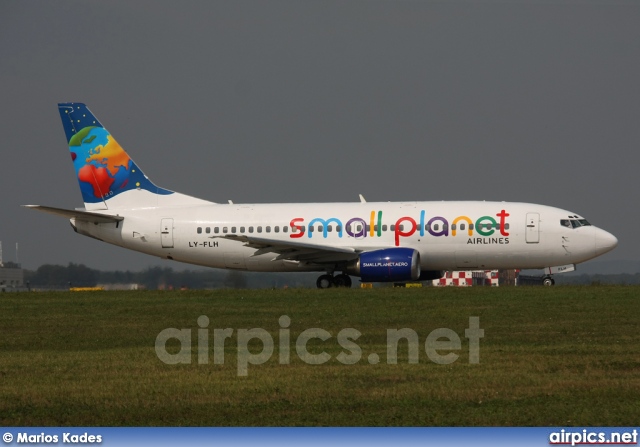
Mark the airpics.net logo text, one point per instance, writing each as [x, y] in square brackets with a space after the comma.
[256, 346]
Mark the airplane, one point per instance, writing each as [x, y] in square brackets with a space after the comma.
[375, 241]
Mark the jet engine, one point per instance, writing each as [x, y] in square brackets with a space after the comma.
[387, 265]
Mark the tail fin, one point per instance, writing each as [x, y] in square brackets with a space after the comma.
[106, 173]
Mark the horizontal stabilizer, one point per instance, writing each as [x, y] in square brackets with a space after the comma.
[84, 216]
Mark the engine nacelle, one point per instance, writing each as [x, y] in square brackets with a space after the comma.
[387, 265]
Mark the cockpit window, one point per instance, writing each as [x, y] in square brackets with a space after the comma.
[574, 223]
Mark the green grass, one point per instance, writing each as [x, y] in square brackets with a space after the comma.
[550, 356]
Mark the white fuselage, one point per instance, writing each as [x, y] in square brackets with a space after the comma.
[448, 235]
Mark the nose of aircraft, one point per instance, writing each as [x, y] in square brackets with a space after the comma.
[604, 242]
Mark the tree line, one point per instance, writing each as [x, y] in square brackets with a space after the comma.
[79, 275]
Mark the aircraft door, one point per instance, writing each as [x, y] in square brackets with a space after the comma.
[166, 233]
[532, 233]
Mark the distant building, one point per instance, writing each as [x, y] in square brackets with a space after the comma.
[11, 276]
[11, 273]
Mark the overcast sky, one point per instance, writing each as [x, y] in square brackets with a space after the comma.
[317, 101]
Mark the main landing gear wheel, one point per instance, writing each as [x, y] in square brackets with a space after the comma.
[548, 281]
[342, 281]
[324, 281]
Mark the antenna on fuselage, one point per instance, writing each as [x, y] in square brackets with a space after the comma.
[362, 199]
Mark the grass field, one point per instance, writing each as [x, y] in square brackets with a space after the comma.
[550, 356]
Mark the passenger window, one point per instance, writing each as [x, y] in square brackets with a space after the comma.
[329, 228]
[393, 227]
[268, 229]
[320, 228]
[471, 226]
[384, 227]
[241, 229]
[199, 230]
[225, 229]
[401, 227]
[338, 228]
[233, 229]
[310, 228]
[216, 230]
[453, 226]
[506, 226]
[444, 227]
[285, 229]
[207, 230]
[461, 226]
[436, 227]
[259, 229]
[276, 229]
[250, 229]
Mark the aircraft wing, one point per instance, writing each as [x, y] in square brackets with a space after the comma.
[295, 251]
[84, 216]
